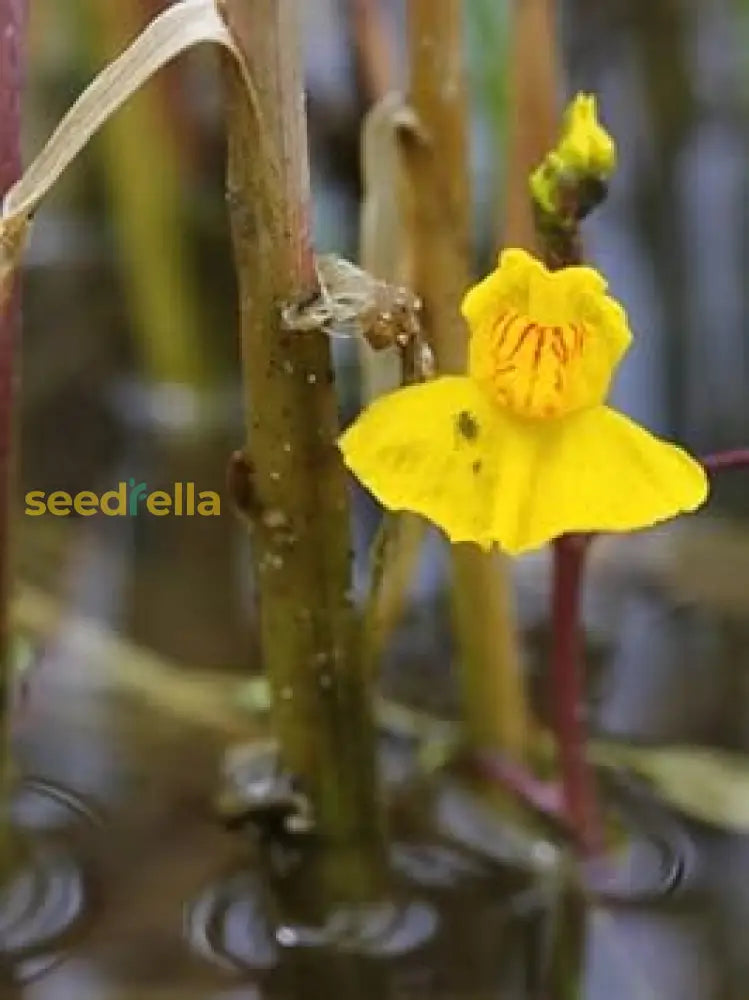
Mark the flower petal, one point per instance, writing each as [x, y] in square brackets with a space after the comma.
[503, 288]
[595, 470]
[585, 146]
[443, 450]
[431, 449]
[544, 343]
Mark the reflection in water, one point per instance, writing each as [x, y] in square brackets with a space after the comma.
[44, 903]
[180, 907]
[380, 930]
[435, 865]
[168, 918]
[230, 924]
[449, 929]
[655, 860]
[234, 924]
[45, 805]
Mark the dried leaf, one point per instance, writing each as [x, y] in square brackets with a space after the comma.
[385, 248]
[180, 27]
[351, 301]
[705, 783]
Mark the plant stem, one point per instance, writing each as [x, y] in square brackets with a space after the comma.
[719, 461]
[372, 43]
[494, 700]
[560, 239]
[532, 111]
[147, 201]
[13, 16]
[13, 20]
[543, 796]
[568, 692]
[532, 123]
[323, 704]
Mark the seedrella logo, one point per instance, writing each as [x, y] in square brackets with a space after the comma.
[129, 499]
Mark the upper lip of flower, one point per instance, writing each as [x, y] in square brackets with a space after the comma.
[543, 343]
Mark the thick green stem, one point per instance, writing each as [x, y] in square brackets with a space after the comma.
[295, 485]
[494, 701]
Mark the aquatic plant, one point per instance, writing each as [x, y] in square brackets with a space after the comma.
[521, 450]
[288, 482]
[493, 701]
[507, 449]
[323, 706]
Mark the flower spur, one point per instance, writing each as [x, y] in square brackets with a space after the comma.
[523, 449]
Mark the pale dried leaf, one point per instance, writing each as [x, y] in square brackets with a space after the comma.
[350, 301]
[179, 28]
[705, 783]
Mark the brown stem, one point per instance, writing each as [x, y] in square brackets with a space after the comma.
[494, 700]
[373, 47]
[323, 709]
[736, 458]
[543, 796]
[568, 693]
[532, 113]
[13, 20]
[13, 16]
[532, 123]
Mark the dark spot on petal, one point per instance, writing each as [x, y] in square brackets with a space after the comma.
[467, 425]
[476, 467]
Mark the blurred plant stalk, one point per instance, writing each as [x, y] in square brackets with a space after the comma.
[144, 183]
[291, 482]
[532, 126]
[494, 702]
[371, 38]
[385, 252]
[532, 116]
[13, 22]
[146, 154]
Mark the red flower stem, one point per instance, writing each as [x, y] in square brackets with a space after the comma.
[567, 692]
[737, 458]
[542, 796]
[578, 790]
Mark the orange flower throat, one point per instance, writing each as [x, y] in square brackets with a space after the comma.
[526, 366]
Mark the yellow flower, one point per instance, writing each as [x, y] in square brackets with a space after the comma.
[585, 149]
[522, 449]
[585, 146]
